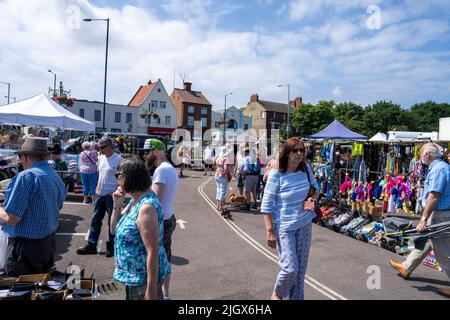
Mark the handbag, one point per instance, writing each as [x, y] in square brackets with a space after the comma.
[311, 190]
[3, 249]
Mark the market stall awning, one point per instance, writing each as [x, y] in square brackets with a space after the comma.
[337, 131]
[379, 137]
[41, 110]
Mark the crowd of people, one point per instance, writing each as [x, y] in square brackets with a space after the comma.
[140, 230]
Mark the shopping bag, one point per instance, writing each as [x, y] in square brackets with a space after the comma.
[3, 249]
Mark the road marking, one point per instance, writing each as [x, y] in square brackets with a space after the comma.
[80, 203]
[255, 244]
[181, 223]
[72, 234]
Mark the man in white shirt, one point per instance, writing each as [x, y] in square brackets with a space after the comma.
[165, 185]
[108, 163]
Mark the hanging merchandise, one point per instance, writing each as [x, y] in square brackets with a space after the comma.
[356, 167]
[358, 150]
[381, 162]
[362, 171]
[417, 152]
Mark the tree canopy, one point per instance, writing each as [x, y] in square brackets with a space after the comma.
[381, 116]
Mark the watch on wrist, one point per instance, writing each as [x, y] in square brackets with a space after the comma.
[423, 219]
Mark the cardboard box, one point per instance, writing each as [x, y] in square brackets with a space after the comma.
[6, 283]
[84, 284]
[379, 203]
[375, 212]
[59, 295]
[41, 278]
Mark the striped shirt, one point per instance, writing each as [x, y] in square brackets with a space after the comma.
[88, 162]
[438, 180]
[284, 197]
[36, 195]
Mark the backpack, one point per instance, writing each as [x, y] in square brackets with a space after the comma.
[254, 167]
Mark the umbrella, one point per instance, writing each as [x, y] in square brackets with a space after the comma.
[398, 227]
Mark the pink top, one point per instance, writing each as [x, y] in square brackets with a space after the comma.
[220, 164]
[88, 161]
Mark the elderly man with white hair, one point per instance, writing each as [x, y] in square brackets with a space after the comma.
[436, 202]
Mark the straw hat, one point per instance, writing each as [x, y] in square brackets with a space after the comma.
[34, 146]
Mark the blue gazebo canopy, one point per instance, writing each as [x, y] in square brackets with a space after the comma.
[337, 131]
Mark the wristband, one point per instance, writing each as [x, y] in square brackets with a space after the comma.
[423, 219]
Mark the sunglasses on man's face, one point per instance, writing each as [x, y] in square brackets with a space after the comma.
[297, 150]
[103, 147]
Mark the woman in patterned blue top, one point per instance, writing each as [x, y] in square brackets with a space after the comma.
[140, 259]
[288, 219]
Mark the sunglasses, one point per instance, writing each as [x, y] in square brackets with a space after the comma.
[103, 147]
[148, 151]
[296, 150]
[118, 174]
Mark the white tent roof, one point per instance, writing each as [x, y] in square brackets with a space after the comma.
[41, 110]
[379, 137]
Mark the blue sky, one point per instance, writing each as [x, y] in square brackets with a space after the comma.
[325, 49]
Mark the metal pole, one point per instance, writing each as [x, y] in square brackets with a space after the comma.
[54, 84]
[289, 110]
[224, 118]
[106, 73]
[9, 90]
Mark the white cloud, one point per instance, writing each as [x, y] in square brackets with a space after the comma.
[337, 91]
[386, 64]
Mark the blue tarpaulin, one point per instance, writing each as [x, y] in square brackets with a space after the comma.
[337, 131]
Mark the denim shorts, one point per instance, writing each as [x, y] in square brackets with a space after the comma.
[221, 187]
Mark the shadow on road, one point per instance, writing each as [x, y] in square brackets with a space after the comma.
[431, 281]
[179, 261]
[67, 224]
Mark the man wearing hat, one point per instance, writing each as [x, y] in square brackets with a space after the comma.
[165, 185]
[31, 209]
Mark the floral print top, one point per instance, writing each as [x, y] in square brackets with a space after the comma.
[129, 251]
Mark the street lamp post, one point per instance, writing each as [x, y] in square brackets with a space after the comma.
[288, 106]
[9, 89]
[54, 82]
[14, 98]
[225, 116]
[106, 65]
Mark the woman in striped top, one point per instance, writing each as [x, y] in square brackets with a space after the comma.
[288, 224]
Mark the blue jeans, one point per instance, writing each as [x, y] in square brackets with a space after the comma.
[89, 181]
[221, 187]
[102, 205]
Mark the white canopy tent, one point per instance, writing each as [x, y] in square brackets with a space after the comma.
[379, 137]
[41, 110]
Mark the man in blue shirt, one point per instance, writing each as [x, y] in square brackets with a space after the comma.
[436, 202]
[30, 214]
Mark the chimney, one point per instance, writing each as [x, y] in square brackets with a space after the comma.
[149, 82]
[187, 86]
[254, 98]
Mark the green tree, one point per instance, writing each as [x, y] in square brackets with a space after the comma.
[382, 117]
[351, 115]
[425, 116]
[309, 118]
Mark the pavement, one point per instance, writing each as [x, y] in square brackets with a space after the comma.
[217, 258]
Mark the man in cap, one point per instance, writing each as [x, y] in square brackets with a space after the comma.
[31, 209]
[107, 184]
[165, 185]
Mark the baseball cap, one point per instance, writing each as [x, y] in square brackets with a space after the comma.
[154, 144]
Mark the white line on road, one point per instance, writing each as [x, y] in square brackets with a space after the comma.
[255, 244]
[181, 223]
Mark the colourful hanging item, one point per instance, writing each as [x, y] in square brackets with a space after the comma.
[358, 150]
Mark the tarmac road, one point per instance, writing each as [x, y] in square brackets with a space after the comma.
[214, 258]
